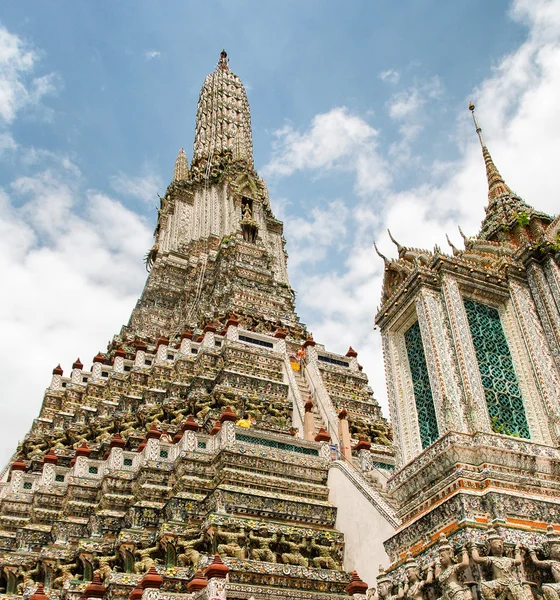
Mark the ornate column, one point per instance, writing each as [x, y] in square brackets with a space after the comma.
[161, 350]
[344, 436]
[476, 411]
[546, 305]
[401, 398]
[97, 366]
[56, 381]
[118, 361]
[77, 368]
[232, 327]
[209, 340]
[544, 368]
[186, 339]
[140, 358]
[441, 362]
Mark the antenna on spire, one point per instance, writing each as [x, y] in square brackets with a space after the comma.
[496, 184]
[223, 62]
[477, 126]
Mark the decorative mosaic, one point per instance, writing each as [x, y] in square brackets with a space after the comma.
[501, 389]
[422, 388]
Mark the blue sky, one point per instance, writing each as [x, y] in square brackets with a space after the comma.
[359, 123]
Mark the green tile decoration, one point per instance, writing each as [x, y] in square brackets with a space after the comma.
[501, 388]
[421, 382]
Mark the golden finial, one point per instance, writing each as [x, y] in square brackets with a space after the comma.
[223, 62]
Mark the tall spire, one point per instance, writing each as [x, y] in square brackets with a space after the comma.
[223, 121]
[181, 170]
[496, 185]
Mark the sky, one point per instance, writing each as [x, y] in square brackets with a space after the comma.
[360, 123]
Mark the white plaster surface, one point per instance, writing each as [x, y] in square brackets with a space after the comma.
[363, 526]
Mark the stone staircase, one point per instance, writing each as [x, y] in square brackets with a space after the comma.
[376, 484]
[305, 394]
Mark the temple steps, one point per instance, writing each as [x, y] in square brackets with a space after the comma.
[305, 394]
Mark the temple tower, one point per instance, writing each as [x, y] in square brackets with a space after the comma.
[214, 436]
[470, 345]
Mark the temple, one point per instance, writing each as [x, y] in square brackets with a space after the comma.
[201, 442]
[215, 450]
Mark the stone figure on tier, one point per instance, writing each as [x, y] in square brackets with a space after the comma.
[247, 216]
[230, 543]
[65, 575]
[190, 555]
[505, 583]
[551, 591]
[385, 588]
[291, 546]
[447, 571]
[261, 545]
[323, 554]
[414, 586]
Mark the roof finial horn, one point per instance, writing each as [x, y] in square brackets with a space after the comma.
[454, 248]
[399, 247]
[385, 259]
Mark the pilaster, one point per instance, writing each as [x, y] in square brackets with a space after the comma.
[441, 362]
[476, 410]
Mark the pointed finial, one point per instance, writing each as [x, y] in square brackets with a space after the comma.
[496, 184]
[181, 170]
[399, 247]
[465, 238]
[223, 62]
[385, 259]
[455, 249]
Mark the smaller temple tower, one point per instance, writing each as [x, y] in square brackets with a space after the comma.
[470, 345]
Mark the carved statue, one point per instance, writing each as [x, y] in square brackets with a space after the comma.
[262, 542]
[505, 583]
[66, 575]
[231, 547]
[28, 577]
[323, 551]
[551, 591]
[414, 586]
[293, 545]
[385, 587]
[146, 561]
[247, 215]
[105, 567]
[447, 572]
[190, 555]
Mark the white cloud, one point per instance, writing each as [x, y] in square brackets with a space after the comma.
[18, 89]
[144, 187]
[7, 143]
[74, 262]
[335, 140]
[151, 54]
[71, 258]
[391, 76]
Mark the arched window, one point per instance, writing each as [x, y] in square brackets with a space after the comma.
[427, 421]
[501, 388]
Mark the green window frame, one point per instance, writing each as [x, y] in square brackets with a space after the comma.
[501, 387]
[425, 409]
